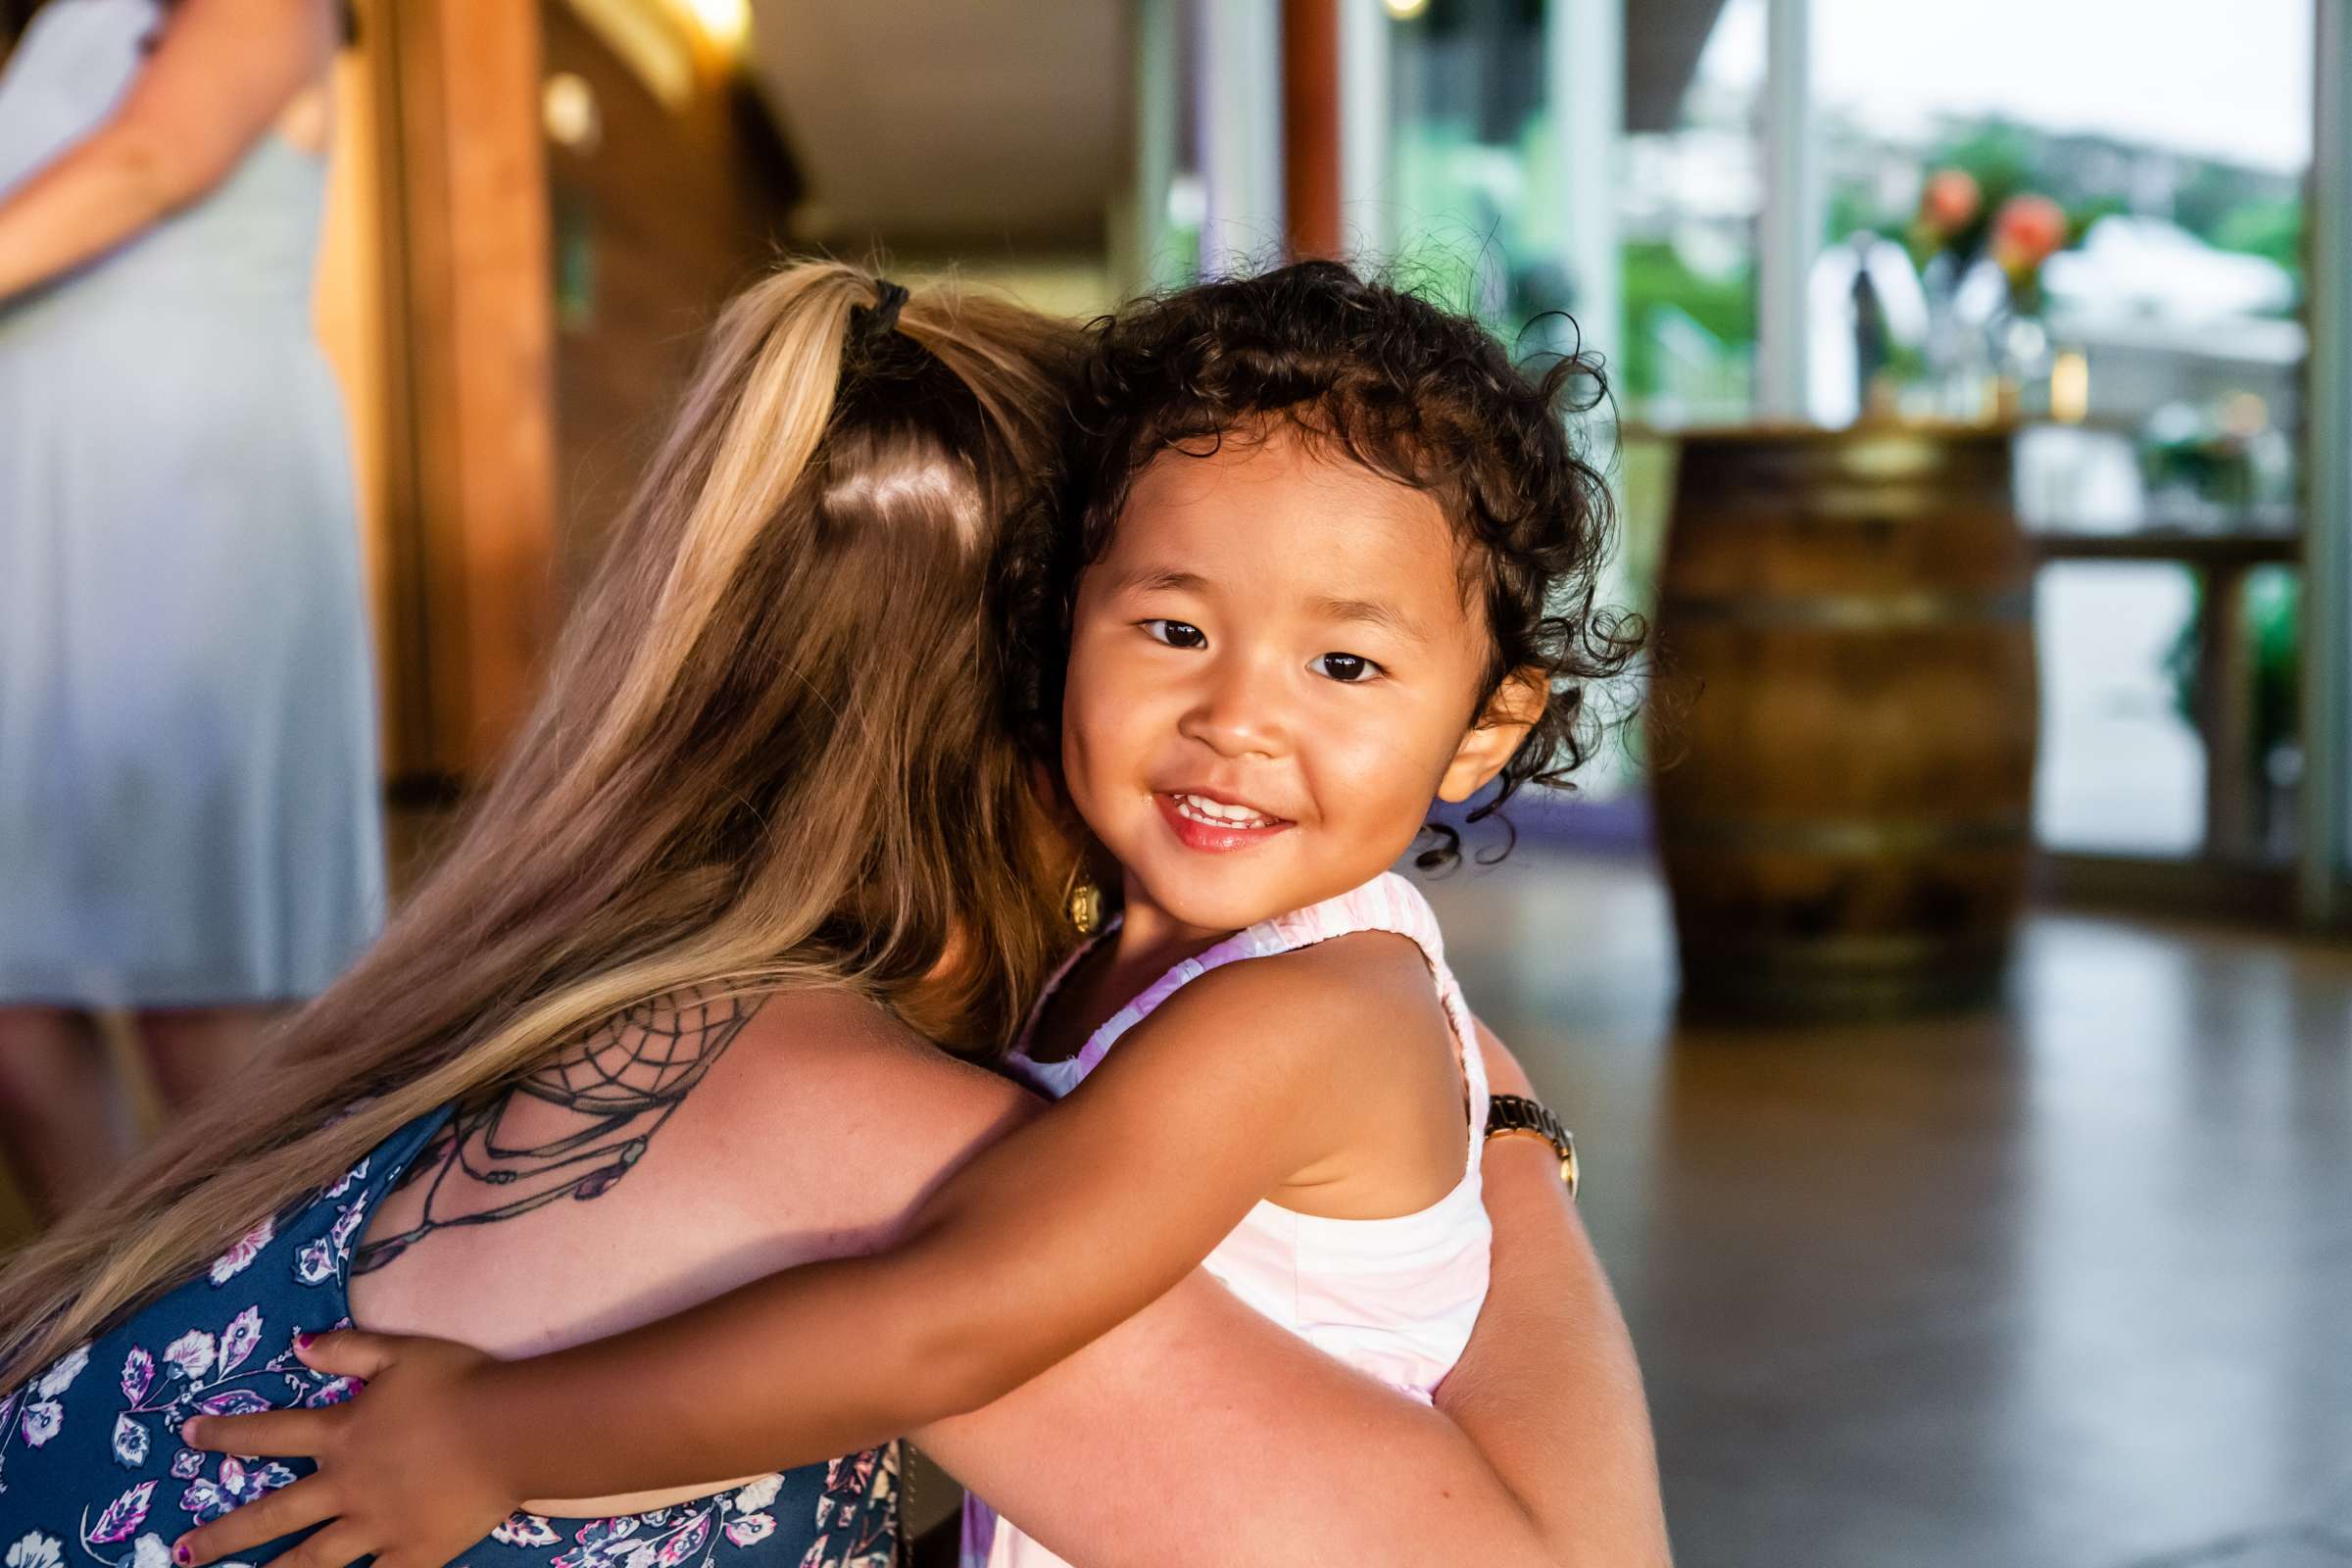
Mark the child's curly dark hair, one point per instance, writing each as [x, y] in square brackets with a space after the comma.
[1412, 391]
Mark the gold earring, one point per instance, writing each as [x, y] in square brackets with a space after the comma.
[1082, 900]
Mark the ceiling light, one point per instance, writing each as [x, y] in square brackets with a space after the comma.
[725, 23]
[567, 108]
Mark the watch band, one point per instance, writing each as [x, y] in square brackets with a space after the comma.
[1516, 1114]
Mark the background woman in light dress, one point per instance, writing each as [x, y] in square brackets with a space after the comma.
[188, 790]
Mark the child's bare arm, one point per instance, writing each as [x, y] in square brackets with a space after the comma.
[1261, 1450]
[1038, 1245]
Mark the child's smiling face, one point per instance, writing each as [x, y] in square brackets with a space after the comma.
[1273, 672]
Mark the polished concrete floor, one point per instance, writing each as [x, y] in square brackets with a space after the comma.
[2066, 1287]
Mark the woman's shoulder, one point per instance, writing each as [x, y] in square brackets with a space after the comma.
[707, 1143]
[822, 1102]
[825, 1042]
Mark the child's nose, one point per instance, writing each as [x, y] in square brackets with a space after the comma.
[1236, 715]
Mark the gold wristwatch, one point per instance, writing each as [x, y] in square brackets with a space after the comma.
[1509, 1116]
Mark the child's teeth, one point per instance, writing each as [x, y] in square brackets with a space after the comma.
[1218, 812]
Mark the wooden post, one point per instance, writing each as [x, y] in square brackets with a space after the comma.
[354, 316]
[472, 511]
[1310, 127]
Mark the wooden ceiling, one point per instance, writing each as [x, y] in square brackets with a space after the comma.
[955, 122]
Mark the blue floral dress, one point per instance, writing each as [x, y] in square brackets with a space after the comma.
[92, 1470]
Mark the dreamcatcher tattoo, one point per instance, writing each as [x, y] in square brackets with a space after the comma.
[622, 1083]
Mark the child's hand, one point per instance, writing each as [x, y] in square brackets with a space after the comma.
[407, 1471]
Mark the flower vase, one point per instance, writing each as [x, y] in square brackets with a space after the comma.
[2019, 348]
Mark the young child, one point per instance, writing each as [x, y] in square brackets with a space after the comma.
[1323, 555]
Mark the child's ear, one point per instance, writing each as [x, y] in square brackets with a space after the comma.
[1495, 734]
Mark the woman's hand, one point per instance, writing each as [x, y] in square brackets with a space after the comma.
[407, 1472]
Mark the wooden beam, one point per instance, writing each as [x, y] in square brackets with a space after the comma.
[1311, 127]
[479, 494]
[356, 311]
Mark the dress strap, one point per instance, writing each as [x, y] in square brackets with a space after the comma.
[1388, 902]
[1054, 984]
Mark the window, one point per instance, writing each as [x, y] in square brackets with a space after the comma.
[2158, 355]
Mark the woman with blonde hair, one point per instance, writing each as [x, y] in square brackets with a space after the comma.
[666, 1020]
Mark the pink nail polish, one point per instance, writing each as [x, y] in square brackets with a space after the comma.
[182, 1556]
[303, 1339]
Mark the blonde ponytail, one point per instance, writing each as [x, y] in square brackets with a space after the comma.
[771, 753]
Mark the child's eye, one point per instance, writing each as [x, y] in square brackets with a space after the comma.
[1176, 633]
[1346, 667]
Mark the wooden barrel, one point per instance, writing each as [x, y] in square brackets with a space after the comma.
[1846, 814]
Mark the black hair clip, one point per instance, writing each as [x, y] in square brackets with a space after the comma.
[883, 314]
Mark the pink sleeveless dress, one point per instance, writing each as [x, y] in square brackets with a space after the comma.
[1394, 1297]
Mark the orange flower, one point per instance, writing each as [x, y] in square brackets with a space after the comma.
[2025, 232]
[1948, 202]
